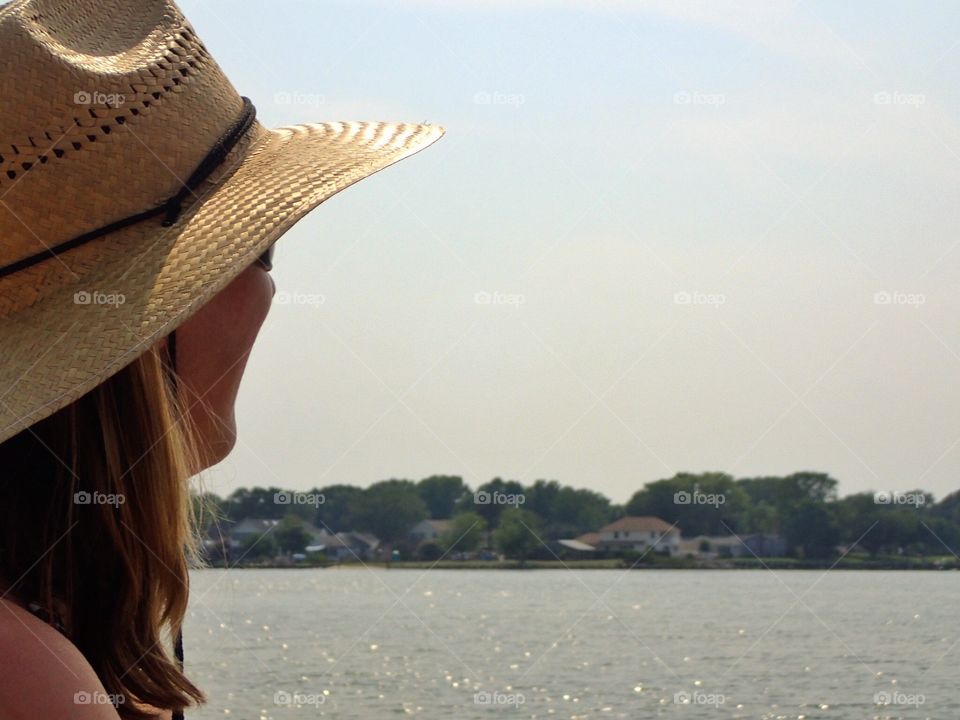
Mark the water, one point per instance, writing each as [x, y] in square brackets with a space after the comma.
[366, 643]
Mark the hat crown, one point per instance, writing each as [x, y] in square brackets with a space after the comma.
[90, 28]
[109, 105]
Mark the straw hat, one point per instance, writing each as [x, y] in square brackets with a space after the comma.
[135, 183]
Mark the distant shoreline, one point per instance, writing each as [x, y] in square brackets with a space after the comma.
[850, 563]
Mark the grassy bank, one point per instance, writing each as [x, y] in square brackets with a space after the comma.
[853, 562]
[683, 563]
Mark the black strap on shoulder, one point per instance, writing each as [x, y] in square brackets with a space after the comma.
[172, 372]
[178, 653]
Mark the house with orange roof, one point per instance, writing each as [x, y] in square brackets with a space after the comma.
[640, 534]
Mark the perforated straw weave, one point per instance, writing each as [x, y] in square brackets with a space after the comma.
[106, 107]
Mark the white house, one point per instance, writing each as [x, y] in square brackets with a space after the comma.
[349, 546]
[429, 530]
[756, 545]
[249, 527]
[640, 534]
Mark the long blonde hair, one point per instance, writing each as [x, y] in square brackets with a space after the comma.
[96, 527]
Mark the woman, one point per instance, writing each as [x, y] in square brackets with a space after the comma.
[139, 202]
[118, 575]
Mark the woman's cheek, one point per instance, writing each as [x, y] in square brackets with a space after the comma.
[212, 352]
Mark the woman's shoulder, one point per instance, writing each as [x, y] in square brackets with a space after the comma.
[45, 675]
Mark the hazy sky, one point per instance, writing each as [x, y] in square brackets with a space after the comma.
[658, 237]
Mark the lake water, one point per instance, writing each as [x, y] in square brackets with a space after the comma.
[470, 645]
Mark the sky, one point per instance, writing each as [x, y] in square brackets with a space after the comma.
[657, 237]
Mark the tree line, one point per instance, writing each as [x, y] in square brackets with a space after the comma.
[803, 508]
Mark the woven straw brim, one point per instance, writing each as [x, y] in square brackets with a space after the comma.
[56, 350]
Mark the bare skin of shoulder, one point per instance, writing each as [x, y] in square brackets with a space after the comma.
[44, 673]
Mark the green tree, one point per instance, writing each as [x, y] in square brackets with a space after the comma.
[290, 534]
[576, 511]
[939, 536]
[760, 518]
[389, 508]
[879, 528]
[429, 550]
[518, 534]
[465, 533]
[856, 517]
[763, 490]
[948, 508]
[812, 530]
[257, 547]
[484, 500]
[818, 487]
[338, 511]
[566, 511]
[256, 503]
[786, 494]
[440, 493]
[541, 498]
[897, 530]
[700, 504]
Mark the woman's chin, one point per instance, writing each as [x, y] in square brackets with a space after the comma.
[217, 449]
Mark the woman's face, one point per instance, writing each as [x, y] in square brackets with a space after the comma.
[212, 351]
